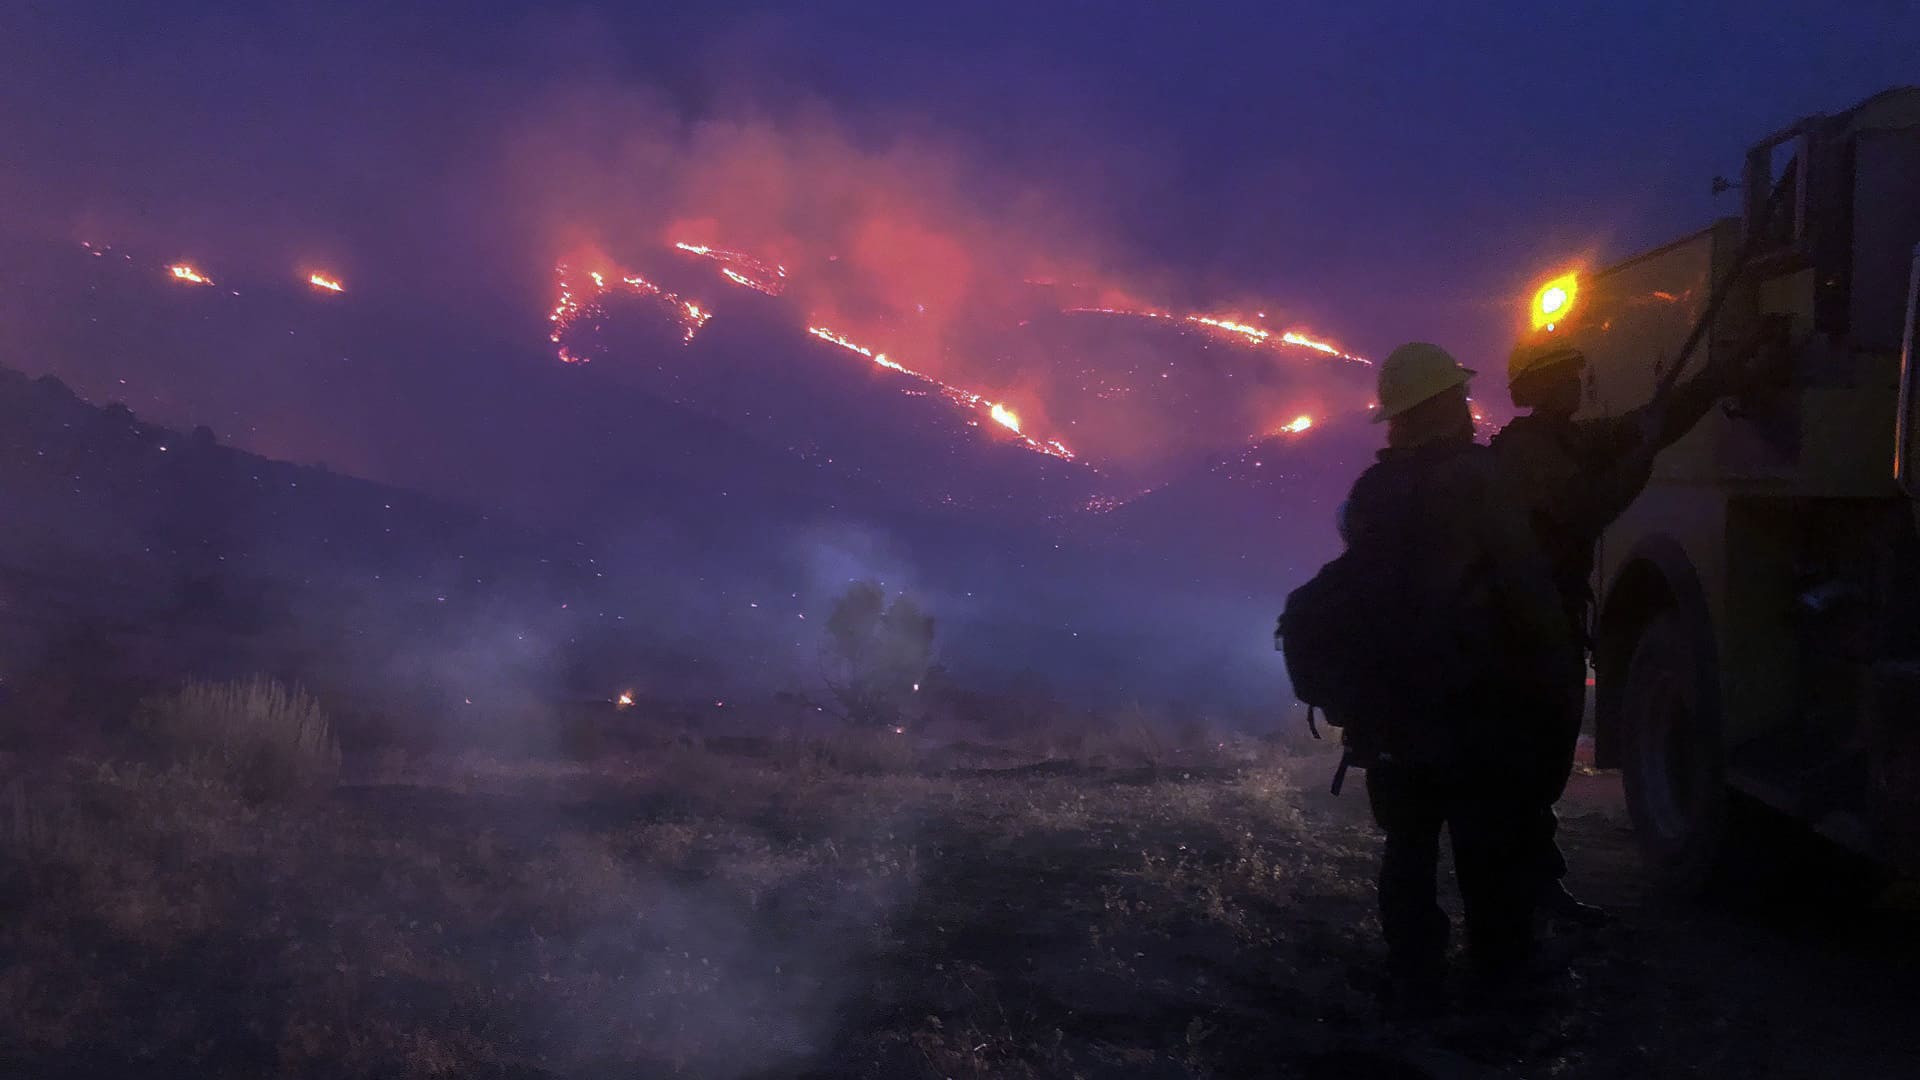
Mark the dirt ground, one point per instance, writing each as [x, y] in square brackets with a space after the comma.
[770, 914]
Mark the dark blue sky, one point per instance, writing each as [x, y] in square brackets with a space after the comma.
[1387, 170]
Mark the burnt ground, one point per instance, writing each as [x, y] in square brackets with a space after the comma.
[735, 915]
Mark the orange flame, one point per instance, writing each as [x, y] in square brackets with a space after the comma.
[183, 272]
[1252, 335]
[1297, 425]
[1292, 338]
[996, 411]
[322, 281]
[742, 269]
[568, 308]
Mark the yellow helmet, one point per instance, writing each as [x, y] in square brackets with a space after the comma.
[1413, 373]
[1529, 357]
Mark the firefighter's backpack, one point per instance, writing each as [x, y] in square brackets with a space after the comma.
[1357, 639]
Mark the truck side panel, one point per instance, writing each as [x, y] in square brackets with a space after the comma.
[1636, 317]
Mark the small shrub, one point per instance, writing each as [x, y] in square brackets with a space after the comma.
[878, 655]
[260, 738]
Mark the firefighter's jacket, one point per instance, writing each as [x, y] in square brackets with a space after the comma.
[1576, 476]
[1479, 548]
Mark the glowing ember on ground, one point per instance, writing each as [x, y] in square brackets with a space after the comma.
[625, 700]
[322, 281]
[183, 272]
[995, 411]
[1297, 425]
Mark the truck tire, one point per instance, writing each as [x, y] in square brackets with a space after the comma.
[1674, 772]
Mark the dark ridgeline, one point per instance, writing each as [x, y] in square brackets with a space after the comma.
[136, 555]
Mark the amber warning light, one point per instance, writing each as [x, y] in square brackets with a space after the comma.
[1554, 302]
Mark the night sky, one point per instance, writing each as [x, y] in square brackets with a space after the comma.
[1375, 172]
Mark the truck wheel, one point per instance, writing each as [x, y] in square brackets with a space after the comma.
[1675, 779]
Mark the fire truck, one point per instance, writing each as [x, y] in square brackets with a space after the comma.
[1756, 623]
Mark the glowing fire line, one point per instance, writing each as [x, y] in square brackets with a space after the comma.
[322, 281]
[184, 272]
[569, 308]
[742, 268]
[1252, 335]
[996, 411]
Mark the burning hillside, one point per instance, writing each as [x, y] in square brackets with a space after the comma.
[875, 307]
[983, 287]
[1123, 413]
[1118, 396]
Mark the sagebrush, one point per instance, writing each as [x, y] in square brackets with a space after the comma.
[255, 734]
[878, 654]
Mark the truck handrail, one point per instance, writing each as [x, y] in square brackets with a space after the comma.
[1756, 231]
[1903, 471]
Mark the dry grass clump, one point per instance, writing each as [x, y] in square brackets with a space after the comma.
[260, 738]
[680, 912]
[862, 752]
[1126, 738]
[36, 822]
